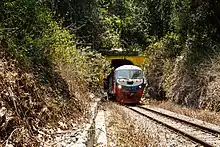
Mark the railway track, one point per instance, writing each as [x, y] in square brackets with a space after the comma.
[198, 133]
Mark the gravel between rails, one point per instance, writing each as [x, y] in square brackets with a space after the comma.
[121, 131]
[204, 137]
[162, 135]
[187, 118]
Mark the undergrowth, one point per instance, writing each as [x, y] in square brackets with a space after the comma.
[45, 80]
[189, 79]
[29, 105]
[183, 63]
[184, 73]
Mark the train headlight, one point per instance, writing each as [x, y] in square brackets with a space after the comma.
[138, 80]
[119, 86]
[140, 86]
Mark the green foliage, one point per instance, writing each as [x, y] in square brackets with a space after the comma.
[45, 79]
[115, 23]
[130, 24]
[163, 30]
[27, 22]
[181, 49]
[39, 42]
[89, 67]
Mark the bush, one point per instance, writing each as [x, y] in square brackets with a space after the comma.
[45, 80]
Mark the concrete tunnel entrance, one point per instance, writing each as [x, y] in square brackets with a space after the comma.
[115, 63]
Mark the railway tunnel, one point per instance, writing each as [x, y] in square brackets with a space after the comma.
[117, 61]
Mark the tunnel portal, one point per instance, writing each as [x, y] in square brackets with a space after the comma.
[115, 63]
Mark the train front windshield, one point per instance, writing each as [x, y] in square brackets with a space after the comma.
[129, 74]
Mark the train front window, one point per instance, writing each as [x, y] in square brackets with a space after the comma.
[136, 74]
[123, 74]
[129, 74]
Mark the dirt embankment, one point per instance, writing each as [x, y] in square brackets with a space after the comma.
[187, 79]
[36, 98]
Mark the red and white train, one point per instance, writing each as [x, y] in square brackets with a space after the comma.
[126, 84]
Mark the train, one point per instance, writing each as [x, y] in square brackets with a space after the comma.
[126, 84]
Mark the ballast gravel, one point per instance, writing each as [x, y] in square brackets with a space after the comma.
[158, 135]
[121, 131]
[187, 118]
[164, 135]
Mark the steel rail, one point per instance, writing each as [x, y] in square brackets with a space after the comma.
[182, 120]
[193, 138]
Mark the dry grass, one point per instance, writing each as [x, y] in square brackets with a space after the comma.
[122, 132]
[189, 84]
[29, 106]
[205, 115]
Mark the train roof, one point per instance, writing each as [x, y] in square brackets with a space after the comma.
[128, 67]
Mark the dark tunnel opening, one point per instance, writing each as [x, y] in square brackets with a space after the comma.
[115, 63]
